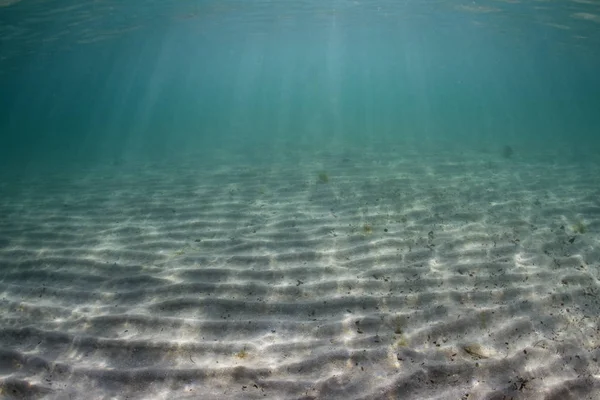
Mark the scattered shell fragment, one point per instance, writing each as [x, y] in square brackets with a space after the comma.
[477, 351]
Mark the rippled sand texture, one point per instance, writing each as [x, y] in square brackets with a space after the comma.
[343, 277]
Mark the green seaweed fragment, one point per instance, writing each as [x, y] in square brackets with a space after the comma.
[402, 341]
[398, 326]
[323, 177]
[579, 227]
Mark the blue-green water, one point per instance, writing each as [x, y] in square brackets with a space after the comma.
[97, 81]
[299, 199]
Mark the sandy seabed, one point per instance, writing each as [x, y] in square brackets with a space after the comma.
[343, 276]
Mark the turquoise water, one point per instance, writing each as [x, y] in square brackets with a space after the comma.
[299, 199]
[106, 81]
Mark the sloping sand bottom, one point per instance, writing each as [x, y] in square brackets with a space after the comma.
[346, 276]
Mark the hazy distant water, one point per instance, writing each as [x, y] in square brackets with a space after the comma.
[109, 81]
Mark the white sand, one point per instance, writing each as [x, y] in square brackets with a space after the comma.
[402, 277]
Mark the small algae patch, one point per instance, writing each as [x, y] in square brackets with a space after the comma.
[579, 227]
[242, 354]
[367, 229]
[323, 177]
[401, 341]
[400, 338]
[398, 325]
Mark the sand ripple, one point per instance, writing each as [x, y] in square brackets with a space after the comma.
[419, 278]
